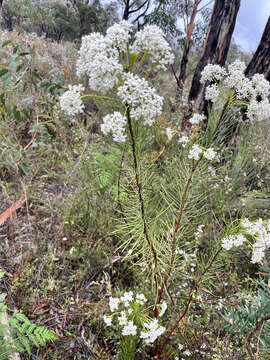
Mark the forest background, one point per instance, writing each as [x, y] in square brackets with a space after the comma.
[78, 209]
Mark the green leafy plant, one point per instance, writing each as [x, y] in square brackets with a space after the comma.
[18, 333]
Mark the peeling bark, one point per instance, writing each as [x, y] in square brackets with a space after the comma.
[260, 63]
[216, 45]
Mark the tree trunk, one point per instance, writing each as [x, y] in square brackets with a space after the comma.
[126, 11]
[183, 66]
[216, 45]
[260, 63]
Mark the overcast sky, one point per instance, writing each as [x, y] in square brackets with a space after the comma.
[251, 20]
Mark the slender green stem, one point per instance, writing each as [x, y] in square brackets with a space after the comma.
[219, 120]
[139, 187]
[127, 52]
[99, 97]
[141, 61]
[121, 59]
[173, 244]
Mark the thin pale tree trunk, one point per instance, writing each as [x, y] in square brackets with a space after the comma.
[184, 61]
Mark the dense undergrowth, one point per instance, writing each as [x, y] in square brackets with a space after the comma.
[73, 242]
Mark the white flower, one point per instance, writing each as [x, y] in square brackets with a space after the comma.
[212, 93]
[246, 224]
[127, 298]
[195, 152]
[129, 329]
[169, 133]
[212, 72]
[239, 240]
[183, 140]
[258, 110]
[199, 231]
[113, 303]
[114, 123]
[163, 308]
[209, 154]
[258, 254]
[122, 318]
[144, 101]
[99, 61]
[196, 119]
[228, 242]
[237, 67]
[259, 231]
[70, 101]
[154, 331]
[152, 40]
[180, 347]
[141, 299]
[261, 86]
[187, 352]
[119, 35]
[107, 320]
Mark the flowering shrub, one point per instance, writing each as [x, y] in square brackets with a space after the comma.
[153, 227]
[259, 231]
[108, 62]
[253, 93]
[129, 311]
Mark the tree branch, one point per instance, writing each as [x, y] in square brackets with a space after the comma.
[259, 325]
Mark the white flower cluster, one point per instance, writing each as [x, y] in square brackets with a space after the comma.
[152, 40]
[70, 101]
[195, 153]
[196, 119]
[232, 241]
[199, 232]
[254, 91]
[169, 133]
[212, 93]
[163, 308]
[128, 316]
[183, 140]
[144, 101]
[118, 35]
[99, 56]
[153, 332]
[99, 61]
[258, 110]
[114, 123]
[212, 72]
[209, 154]
[259, 230]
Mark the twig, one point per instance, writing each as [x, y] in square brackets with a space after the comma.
[191, 297]
[118, 183]
[46, 353]
[259, 324]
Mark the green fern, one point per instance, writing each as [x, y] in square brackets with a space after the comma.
[18, 334]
